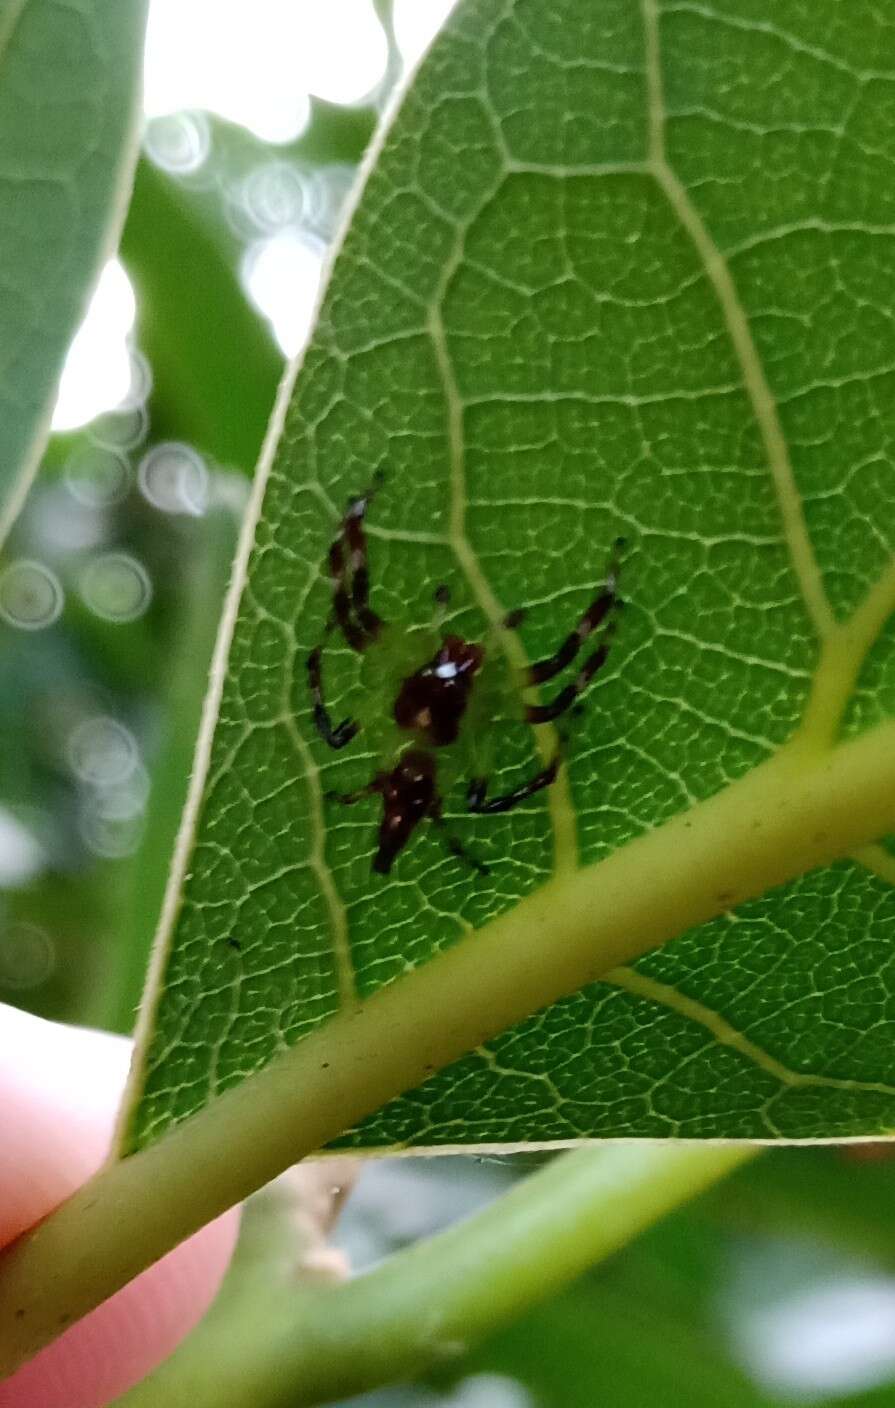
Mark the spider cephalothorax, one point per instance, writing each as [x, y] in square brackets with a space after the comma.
[432, 702]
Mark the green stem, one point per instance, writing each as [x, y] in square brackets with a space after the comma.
[431, 1302]
[801, 809]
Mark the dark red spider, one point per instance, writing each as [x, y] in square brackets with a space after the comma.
[431, 702]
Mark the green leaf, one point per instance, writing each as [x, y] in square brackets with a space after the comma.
[214, 363]
[69, 84]
[617, 269]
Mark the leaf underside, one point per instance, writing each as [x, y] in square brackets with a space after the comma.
[620, 269]
[69, 79]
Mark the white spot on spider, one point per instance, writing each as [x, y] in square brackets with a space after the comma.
[448, 671]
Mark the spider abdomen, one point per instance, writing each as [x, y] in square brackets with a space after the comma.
[408, 795]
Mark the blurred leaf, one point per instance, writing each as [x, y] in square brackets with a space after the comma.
[202, 588]
[648, 1326]
[607, 1340]
[214, 363]
[69, 923]
[840, 1197]
[214, 360]
[69, 81]
[334, 133]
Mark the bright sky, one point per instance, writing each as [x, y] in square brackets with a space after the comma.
[254, 62]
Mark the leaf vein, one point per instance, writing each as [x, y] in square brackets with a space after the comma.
[559, 803]
[639, 985]
[757, 387]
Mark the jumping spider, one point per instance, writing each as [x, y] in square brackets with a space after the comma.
[440, 698]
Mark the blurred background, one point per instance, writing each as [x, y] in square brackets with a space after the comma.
[779, 1287]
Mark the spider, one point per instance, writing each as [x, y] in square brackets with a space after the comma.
[441, 695]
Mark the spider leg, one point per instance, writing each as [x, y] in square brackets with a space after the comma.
[441, 600]
[350, 572]
[336, 735]
[544, 713]
[347, 562]
[478, 786]
[348, 799]
[599, 609]
[454, 845]
[354, 634]
[356, 539]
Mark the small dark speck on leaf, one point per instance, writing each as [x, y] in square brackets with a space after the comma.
[725, 897]
[325, 1066]
[20, 1313]
[234, 943]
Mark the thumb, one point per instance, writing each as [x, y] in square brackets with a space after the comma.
[59, 1091]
